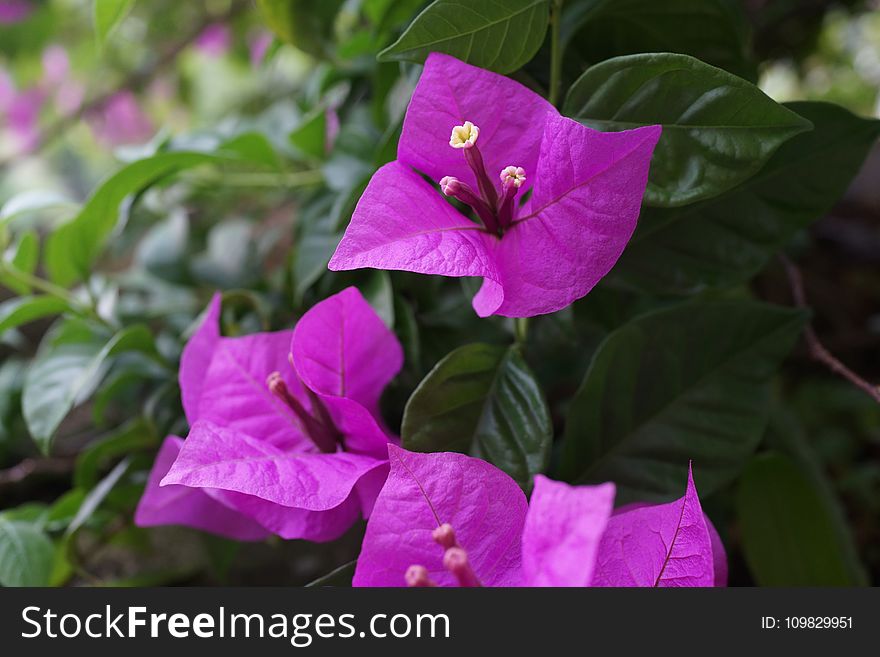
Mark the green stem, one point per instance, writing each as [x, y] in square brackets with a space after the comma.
[50, 289]
[521, 329]
[555, 52]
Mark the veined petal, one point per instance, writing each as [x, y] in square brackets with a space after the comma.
[583, 210]
[292, 523]
[192, 507]
[661, 545]
[227, 459]
[402, 222]
[510, 118]
[223, 380]
[563, 529]
[484, 506]
[342, 348]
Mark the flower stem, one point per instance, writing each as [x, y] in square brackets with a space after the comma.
[555, 52]
[521, 329]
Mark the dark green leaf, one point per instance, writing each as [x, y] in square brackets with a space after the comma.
[380, 295]
[26, 554]
[787, 534]
[684, 383]
[136, 435]
[714, 31]
[728, 239]
[93, 499]
[483, 400]
[500, 36]
[306, 24]
[310, 136]
[718, 129]
[66, 373]
[22, 310]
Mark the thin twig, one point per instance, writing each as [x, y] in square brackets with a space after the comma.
[817, 350]
[134, 80]
[36, 466]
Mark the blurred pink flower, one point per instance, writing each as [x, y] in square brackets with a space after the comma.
[258, 47]
[121, 121]
[215, 40]
[56, 66]
[7, 91]
[22, 119]
[14, 11]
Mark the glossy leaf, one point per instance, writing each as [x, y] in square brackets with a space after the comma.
[728, 239]
[482, 400]
[787, 533]
[714, 31]
[500, 36]
[65, 373]
[26, 554]
[686, 382]
[718, 129]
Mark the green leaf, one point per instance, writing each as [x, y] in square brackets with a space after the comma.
[500, 36]
[688, 382]
[310, 136]
[26, 554]
[728, 239]
[380, 295]
[714, 31]
[66, 373]
[23, 256]
[306, 24]
[787, 534]
[22, 310]
[135, 436]
[72, 248]
[93, 500]
[482, 400]
[718, 129]
[107, 16]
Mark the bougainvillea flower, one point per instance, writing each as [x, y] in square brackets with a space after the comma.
[121, 121]
[214, 40]
[14, 11]
[285, 426]
[552, 202]
[447, 519]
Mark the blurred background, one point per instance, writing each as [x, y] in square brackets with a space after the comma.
[76, 103]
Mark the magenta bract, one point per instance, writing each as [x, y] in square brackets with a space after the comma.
[285, 426]
[444, 519]
[582, 191]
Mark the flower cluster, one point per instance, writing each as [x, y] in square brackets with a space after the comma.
[286, 435]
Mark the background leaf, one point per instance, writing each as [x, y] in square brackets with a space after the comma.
[713, 31]
[482, 400]
[718, 129]
[688, 382]
[26, 554]
[788, 537]
[728, 239]
[107, 15]
[493, 34]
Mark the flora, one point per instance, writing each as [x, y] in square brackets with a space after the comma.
[556, 201]
[447, 519]
[285, 432]
[446, 292]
